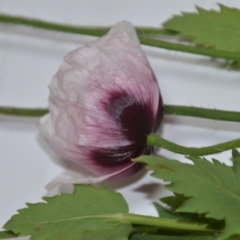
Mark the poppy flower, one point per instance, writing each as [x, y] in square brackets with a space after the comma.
[104, 100]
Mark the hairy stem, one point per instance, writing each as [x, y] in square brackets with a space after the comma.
[190, 49]
[154, 140]
[215, 114]
[169, 109]
[23, 112]
[144, 36]
[92, 31]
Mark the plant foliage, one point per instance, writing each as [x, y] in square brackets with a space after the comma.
[212, 189]
[217, 30]
[89, 213]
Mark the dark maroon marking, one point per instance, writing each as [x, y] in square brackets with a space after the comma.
[135, 121]
[159, 116]
[113, 157]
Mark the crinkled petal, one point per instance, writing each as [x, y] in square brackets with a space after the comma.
[103, 99]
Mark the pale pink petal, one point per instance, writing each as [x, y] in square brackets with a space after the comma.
[104, 100]
[73, 177]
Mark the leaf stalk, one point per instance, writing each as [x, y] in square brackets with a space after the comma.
[161, 223]
[166, 224]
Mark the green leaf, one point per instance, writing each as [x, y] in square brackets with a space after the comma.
[233, 64]
[89, 213]
[165, 236]
[212, 189]
[218, 30]
[167, 213]
[235, 154]
[236, 161]
[7, 234]
[174, 201]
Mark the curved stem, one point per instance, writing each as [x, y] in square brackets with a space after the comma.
[154, 140]
[144, 36]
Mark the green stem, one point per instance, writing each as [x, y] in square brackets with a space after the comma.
[215, 114]
[7, 234]
[93, 31]
[99, 31]
[190, 49]
[169, 109]
[163, 223]
[154, 140]
[23, 112]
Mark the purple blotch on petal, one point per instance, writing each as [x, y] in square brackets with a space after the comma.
[135, 121]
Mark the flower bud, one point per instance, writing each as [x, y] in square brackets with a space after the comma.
[104, 100]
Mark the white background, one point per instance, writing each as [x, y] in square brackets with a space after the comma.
[29, 58]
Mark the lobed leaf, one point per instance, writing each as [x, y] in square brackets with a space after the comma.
[212, 189]
[218, 30]
[89, 214]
